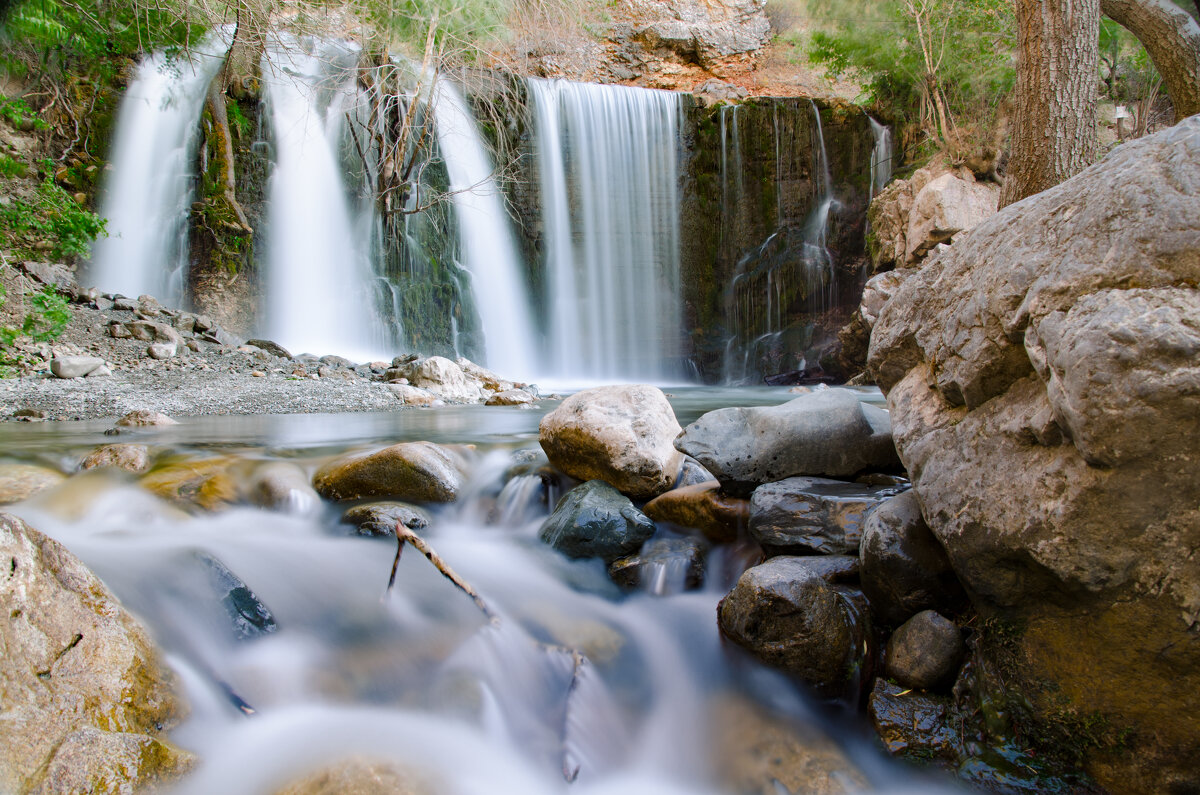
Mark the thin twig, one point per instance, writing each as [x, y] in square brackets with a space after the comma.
[403, 534]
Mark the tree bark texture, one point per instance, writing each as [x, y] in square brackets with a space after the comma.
[1054, 127]
[1172, 39]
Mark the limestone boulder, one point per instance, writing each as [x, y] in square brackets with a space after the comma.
[414, 396]
[828, 433]
[416, 471]
[1045, 394]
[77, 366]
[813, 515]
[707, 33]
[788, 614]
[594, 520]
[84, 696]
[511, 397]
[442, 377]
[619, 434]
[720, 517]
[949, 204]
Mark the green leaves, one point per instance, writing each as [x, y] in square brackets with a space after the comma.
[52, 214]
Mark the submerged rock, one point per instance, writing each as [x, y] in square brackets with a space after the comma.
[281, 486]
[904, 568]
[703, 507]
[786, 614]
[21, 481]
[619, 434]
[1044, 381]
[130, 457]
[912, 724]
[663, 566]
[83, 691]
[381, 518]
[205, 483]
[813, 515]
[828, 433]
[594, 520]
[361, 776]
[248, 616]
[417, 471]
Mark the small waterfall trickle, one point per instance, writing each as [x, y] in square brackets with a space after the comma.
[881, 158]
[608, 163]
[319, 280]
[147, 195]
[486, 241]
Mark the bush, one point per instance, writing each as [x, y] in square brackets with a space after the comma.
[44, 321]
[54, 215]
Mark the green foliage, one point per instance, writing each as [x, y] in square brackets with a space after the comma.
[45, 318]
[969, 56]
[462, 27]
[18, 113]
[55, 215]
[10, 167]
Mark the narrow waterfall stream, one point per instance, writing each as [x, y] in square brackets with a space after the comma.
[608, 164]
[489, 252]
[148, 193]
[319, 296]
[575, 681]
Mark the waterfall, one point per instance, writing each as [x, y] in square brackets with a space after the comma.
[488, 249]
[148, 193]
[608, 166]
[881, 158]
[319, 279]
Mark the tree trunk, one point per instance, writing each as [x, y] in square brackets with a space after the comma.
[1054, 128]
[1172, 38]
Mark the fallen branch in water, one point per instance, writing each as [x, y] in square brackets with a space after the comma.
[403, 534]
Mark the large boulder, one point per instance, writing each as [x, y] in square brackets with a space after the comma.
[829, 433]
[708, 33]
[813, 516]
[1044, 381]
[619, 434]
[84, 696]
[416, 471]
[787, 613]
[594, 520]
[949, 204]
[444, 378]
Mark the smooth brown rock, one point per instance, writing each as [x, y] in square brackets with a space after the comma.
[619, 434]
[206, 484]
[130, 457]
[83, 693]
[416, 471]
[703, 507]
[925, 651]
[361, 776]
[381, 518]
[142, 418]
[21, 481]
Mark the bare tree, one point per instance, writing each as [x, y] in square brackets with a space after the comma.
[1054, 127]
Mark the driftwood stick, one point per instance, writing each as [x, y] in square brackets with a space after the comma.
[403, 534]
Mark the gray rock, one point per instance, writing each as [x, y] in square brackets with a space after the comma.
[619, 434]
[828, 433]
[812, 515]
[273, 348]
[150, 331]
[123, 304]
[417, 471]
[1045, 393]
[692, 473]
[79, 677]
[144, 418]
[904, 568]
[442, 377]
[381, 518]
[248, 616]
[118, 330]
[707, 33]
[594, 520]
[511, 397]
[75, 366]
[948, 205]
[786, 614]
[161, 350]
[663, 566]
[925, 651]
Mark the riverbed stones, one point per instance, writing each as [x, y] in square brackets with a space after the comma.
[21, 481]
[812, 515]
[361, 776]
[83, 692]
[381, 518]
[130, 457]
[281, 486]
[904, 568]
[416, 471]
[204, 484]
[662, 566]
[1045, 391]
[78, 366]
[829, 433]
[786, 614]
[594, 520]
[145, 418]
[925, 651]
[912, 724]
[619, 434]
[720, 517]
[511, 397]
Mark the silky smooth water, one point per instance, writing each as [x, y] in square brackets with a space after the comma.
[573, 680]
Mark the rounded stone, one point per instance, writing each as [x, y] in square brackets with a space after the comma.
[718, 516]
[21, 481]
[925, 651]
[130, 457]
[417, 471]
[594, 520]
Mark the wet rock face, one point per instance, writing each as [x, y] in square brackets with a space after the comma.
[828, 433]
[812, 515]
[83, 692]
[786, 614]
[381, 518]
[594, 520]
[702, 507]
[417, 471]
[904, 568]
[1045, 394]
[619, 434]
[663, 566]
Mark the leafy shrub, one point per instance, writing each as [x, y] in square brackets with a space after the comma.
[44, 320]
[53, 214]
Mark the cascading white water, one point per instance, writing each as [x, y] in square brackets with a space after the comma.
[881, 158]
[608, 164]
[486, 240]
[319, 279]
[148, 192]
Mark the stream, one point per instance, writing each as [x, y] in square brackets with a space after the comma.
[575, 685]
